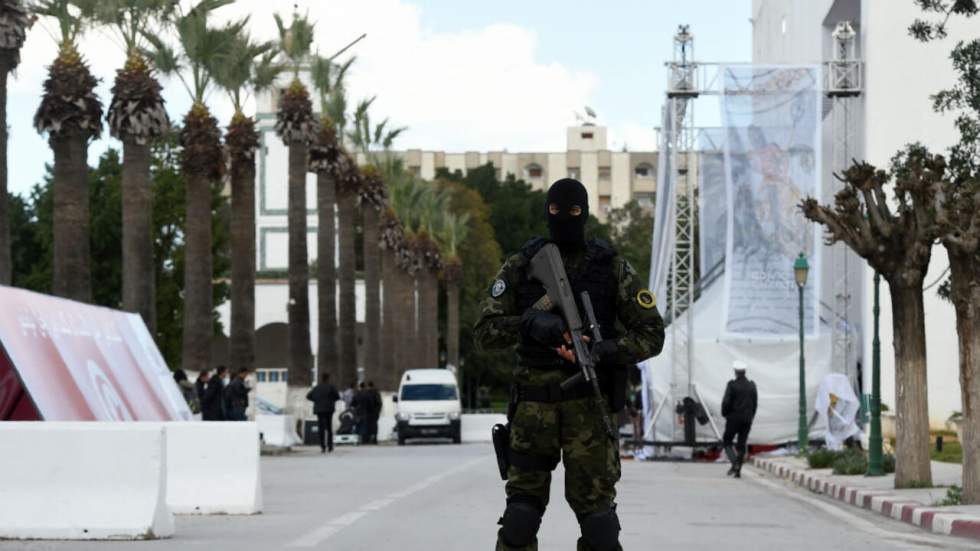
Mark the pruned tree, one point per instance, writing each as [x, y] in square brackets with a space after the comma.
[888, 218]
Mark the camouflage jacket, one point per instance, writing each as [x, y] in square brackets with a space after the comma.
[639, 325]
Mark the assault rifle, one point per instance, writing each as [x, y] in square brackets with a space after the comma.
[547, 268]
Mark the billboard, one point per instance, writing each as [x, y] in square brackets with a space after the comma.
[62, 360]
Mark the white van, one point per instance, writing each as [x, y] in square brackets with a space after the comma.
[427, 405]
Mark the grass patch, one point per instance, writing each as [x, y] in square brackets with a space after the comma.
[952, 453]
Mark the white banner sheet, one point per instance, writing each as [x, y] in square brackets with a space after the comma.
[772, 154]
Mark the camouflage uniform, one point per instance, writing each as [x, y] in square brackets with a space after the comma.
[569, 429]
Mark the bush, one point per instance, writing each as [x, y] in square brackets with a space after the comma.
[954, 496]
[822, 458]
[851, 462]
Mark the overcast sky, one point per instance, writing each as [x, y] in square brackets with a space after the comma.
[461, 74]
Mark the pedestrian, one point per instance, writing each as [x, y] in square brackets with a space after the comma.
[348, 395]
[375, 404]
[200, 386]
[324, 397]
[361, 405]
[212, 407]
[236, 397]
[738, 408]
[187, 390]
[548, 423]
[636, 417]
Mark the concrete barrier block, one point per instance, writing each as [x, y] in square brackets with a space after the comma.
[83, 481]
[278, 430]
[213, 468]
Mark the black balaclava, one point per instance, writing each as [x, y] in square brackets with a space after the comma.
[567, 231]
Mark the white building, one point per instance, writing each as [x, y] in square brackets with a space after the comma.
[900, 74]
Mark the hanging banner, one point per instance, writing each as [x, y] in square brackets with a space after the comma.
[772, 161]
[62, 360]
[712, 200]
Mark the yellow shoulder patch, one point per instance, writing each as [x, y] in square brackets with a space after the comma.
[646, 299]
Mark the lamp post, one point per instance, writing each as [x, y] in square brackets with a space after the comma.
[801, 269]
[874, 439]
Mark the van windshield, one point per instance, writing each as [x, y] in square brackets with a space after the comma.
[428, 392]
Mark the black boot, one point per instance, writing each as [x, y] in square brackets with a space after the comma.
[730, 454]
[738, 466]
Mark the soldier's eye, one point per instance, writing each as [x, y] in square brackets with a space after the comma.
[575, 210]
[553, 208]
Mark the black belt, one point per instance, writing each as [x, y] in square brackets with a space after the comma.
[552, 393]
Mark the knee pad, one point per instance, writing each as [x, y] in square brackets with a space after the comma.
[520, 523]
[601, 530]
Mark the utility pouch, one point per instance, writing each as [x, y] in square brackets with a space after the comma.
[500, 434]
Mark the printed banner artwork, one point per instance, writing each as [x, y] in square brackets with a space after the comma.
[62, 360]
[712, 200]
[772, 161]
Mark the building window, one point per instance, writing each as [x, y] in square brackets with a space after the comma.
[260, 376]
[605, 172]
[533, 171]
[285, 376]
[587, 135]
[574, 172]
[273, 376]
[643, 170]
[645, 200]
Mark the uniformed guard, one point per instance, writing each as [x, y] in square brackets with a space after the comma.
[547, 423]
[738, 408]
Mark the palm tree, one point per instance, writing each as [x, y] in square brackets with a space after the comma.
[249, 67]
[395, 316]
[454, 231]
[201, 49]
[347, 187]
[427, 251]
[296, 126]
[373, 201]
[70, 114]
[324, 155]
[136, 117]
[14, 21]
[373, 198]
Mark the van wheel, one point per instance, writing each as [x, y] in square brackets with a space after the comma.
[458, 438]
[401, 441]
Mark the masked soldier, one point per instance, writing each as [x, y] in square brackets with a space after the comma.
[549, 424]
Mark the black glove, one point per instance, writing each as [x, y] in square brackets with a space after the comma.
[605, 351]
[544, 327]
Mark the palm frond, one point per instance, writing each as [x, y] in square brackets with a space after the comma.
[295, 40]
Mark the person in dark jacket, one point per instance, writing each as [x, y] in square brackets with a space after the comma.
[738, 408]
[212, 407]
[187, 390]
[236, 397]
[200, 386]
[374, 405]
[324, 397]
[361, 404]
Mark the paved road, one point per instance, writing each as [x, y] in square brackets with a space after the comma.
[425, 497]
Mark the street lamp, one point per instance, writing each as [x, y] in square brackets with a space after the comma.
[801, 269]
[874, 439]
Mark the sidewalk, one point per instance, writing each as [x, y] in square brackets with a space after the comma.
[878, 494]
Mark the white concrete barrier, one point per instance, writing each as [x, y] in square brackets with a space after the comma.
[80, 480]
[278, 430]
[476, 426]
[213, 468]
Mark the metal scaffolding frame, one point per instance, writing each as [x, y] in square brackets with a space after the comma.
[688, 80]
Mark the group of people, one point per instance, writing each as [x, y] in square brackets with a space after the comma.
[363, 402]
[217, 396]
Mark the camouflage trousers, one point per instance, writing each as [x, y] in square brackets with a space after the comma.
[574, 431]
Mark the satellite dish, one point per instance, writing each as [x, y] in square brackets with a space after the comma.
[589, 112]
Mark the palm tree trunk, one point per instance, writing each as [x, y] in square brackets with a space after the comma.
[407, 342]
[198, 326]
[139, 283]
[452, 323]
[348, 314]
[391, 328]
[72, 275]
[327, 358]
[299, 271]
[912, 464]
[6, 262]
[430, 318]
[965, 294]
[372, 299]
[242, 332]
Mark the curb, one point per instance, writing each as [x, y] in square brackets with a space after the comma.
[939, 520]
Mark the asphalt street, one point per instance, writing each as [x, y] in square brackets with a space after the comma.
[441, 496]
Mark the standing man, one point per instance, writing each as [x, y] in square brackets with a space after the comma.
[738, 408]
[212, 407]
[200, 386]
[324, 397]
[547, 423]
[375, 404]
[236, 397]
